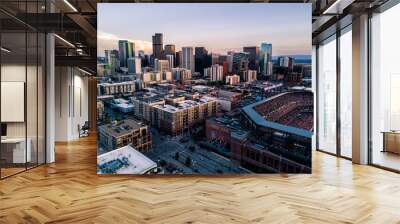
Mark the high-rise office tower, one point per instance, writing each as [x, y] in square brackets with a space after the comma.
[170, 59]
[214, 58]
[200, 57]
[215, 72]
[131, 50]
[126, 50]
[188, 58]
[169, 49]
[114, 60]
[158, 46]
[123, 52]
[161, 65]
[254, 52]
[265, 59]
[229, 59]
[146, 61]
[223, 60]
[178, 59]
[134, 65]
[107, 54]
[285, 61]
[240, 62]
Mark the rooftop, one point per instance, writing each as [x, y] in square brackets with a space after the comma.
[185, 104]
[125, 160]
[148, 97]
[232, 123]
[116, 83]
[122, 127]
[228, 94]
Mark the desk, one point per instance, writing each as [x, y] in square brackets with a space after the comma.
[391, 141]
[13, 150]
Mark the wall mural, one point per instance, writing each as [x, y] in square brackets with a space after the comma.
[204, 88]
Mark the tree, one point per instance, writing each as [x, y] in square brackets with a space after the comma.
[177, 156]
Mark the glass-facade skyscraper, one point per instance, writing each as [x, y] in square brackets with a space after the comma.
[126, 50]
[266, 59]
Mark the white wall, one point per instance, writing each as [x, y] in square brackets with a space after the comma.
[71, 102]
[12, 73]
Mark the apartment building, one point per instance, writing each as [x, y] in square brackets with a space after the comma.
[115, 88]
[125, 132]
[143, 105]
[184, 115]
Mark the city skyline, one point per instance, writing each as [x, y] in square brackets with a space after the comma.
[195, 32]
[189, 106]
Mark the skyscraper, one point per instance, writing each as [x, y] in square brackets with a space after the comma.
[285, 61]
[134, 65]
[240, 62]
[114, 60]
[107, 54]
[265, 59]
[170, 59]
[158, 46]
[131, 50]
[188, 58]
[214, 58]
[215, 72]
[169, 49]
[229, 59]
[254, 52]
[200, 54]
[178, 59]
[161, 65]
[126, 50]
[123, 52]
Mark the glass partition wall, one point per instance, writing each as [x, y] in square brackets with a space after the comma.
[334, 93]
[22, 94]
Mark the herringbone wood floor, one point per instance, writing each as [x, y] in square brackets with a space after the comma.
[69, 191]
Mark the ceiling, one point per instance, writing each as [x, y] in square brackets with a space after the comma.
[76, 20]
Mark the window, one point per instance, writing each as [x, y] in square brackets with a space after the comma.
[327, 95]
[346, 93]
[385, 88]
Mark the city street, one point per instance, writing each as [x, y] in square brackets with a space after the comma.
[175, 156]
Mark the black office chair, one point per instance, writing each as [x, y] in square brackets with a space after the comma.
[84, 130]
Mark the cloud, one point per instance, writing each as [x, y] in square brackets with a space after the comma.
[109, 41]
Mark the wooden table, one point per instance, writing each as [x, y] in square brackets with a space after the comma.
[391, 141]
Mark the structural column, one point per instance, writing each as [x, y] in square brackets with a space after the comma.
[50, 98]
[360, 89]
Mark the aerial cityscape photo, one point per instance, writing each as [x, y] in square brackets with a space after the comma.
[204, 88]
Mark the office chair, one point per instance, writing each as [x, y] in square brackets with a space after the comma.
[84, 130]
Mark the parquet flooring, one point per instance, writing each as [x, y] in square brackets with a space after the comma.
[69, 191]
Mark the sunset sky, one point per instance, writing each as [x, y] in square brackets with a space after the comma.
[218, 27]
